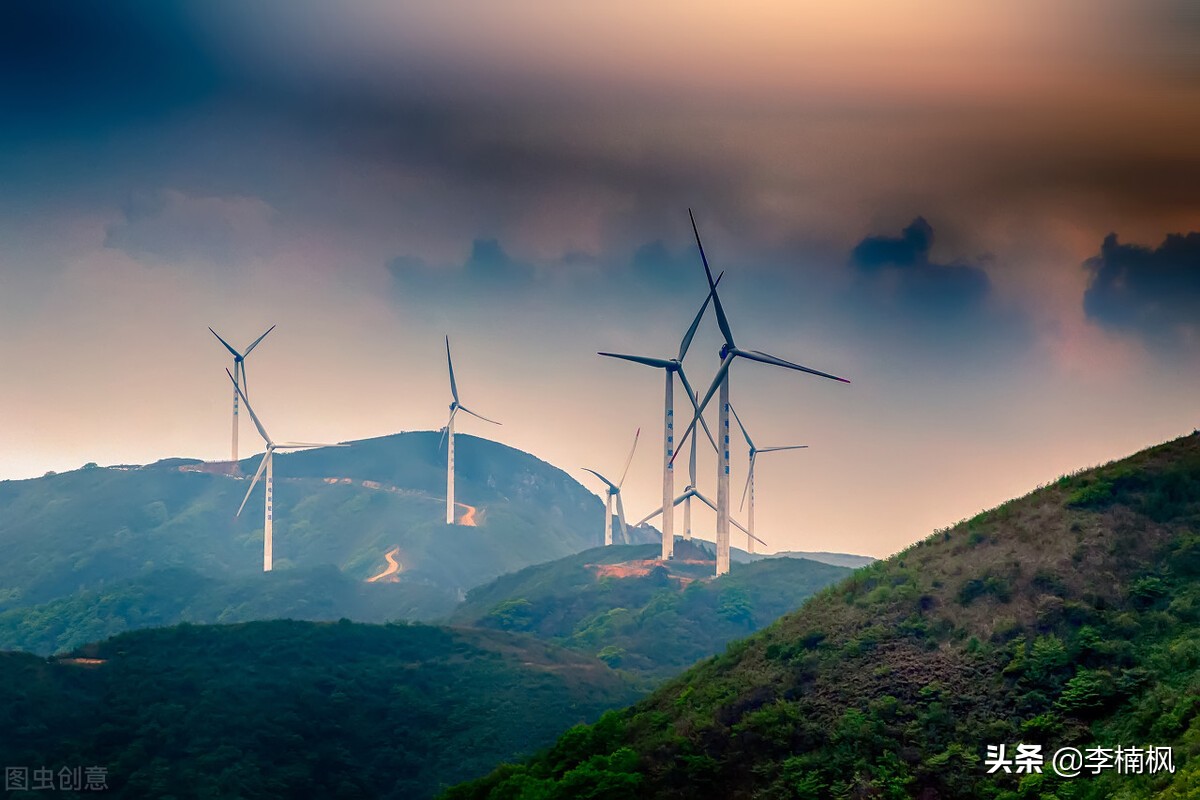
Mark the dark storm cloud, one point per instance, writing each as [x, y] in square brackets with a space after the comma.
[914, 281]
[1151, 292]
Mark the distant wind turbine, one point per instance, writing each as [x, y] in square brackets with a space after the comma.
[614, 490]
[754, 451]
[671, 366]
[267, 465]
[690, 492]
[239, 381]
[448, 435]
[729, 352]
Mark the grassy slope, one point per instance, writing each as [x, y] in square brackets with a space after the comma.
[653, 625]
[292, 709]
[1069, 616]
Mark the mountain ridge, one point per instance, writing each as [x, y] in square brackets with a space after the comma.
[1067, 617]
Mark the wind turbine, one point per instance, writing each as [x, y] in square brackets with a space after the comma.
[267, 465]
[670, 366]
[729, 352]
[448, 434]
[614, 490]
[239, 380]
[686, 497]
[754, 451]
[687, 503]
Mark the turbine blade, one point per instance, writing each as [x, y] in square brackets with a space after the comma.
[621, 518]
[732, 521]
[261, 430]
[712, 390]
[610, 484]
[687, 338]
[661, 363]
[254, 344]
[742, 528]
[446, 429]
[473, 414]
[691, 393]
[789, 447]
[765, 358]
[749, 477]
[450, 363]
[228, 347]
[722, 321]
[629, 460]
[241, 366]
[740, 425]
[696, 494]
[261, 466]
[648, 517]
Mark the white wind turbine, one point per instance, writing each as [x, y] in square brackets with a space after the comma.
[448, 434]
[267, 465]
[239, 381]
[729, 352]
[614, 490]
[690, 492]
[754, 451]
[686, 498]
[670, 366]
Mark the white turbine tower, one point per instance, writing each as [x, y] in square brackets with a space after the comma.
[448, 435]
[729, 352]
[239, 381]
[614, 490]
[670, 366]
[267, 465]
[691, 491]
[754, 451]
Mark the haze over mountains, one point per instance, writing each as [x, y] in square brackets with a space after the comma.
[97, 551]
[342, 709]
[95, 532]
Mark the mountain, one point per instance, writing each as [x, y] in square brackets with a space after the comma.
[640, 614]
[174, 594]
[837, 559]
[1067, 618]
[293, 709]
[359, 508]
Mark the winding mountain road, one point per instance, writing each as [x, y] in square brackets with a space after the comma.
[393, 568]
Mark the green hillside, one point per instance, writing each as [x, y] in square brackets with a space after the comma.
[91, 532]
[299, 710]
[1068, 617]
[639, 614]
[168, 596]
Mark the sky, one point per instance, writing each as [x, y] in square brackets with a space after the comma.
[985, 215]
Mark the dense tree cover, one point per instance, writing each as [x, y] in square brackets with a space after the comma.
[292, 709]
[1068, 617]
[97, 536]
[167, 596]
[652, 624]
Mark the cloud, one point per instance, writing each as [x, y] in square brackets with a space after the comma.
[169, 226]
[489, 269]
[910, 280]
[1151, 292]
